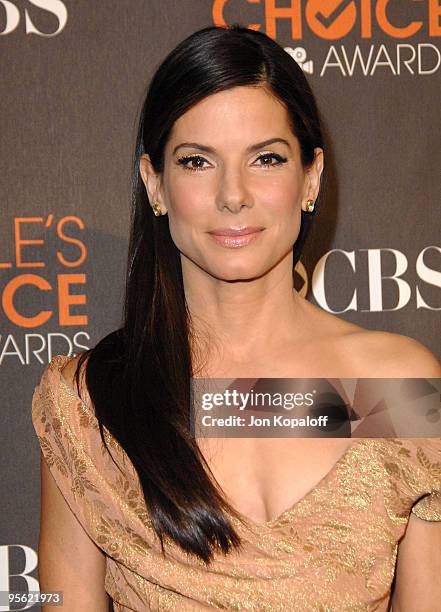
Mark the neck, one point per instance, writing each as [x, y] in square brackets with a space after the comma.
[244, 319]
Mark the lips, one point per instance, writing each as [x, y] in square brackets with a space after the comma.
[233, 231]
[232, 238]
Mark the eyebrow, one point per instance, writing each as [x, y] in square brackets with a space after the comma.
[250, 149]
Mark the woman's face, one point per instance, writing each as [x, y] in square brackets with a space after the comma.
[232, 162]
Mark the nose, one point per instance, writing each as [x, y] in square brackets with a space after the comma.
[233, 192]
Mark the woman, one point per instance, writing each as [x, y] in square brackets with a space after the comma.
[229, 138]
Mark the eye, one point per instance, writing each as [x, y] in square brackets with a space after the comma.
[268, 156]
[197, 159]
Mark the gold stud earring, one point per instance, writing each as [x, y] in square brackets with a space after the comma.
[310, 206]
[156, 208]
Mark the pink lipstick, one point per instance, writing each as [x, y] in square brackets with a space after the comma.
[234, 237]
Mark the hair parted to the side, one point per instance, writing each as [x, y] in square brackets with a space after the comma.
[139, 377]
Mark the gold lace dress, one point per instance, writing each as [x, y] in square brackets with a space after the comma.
[333, 551]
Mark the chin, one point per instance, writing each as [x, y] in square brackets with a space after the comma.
[233, 266]
[237, 272]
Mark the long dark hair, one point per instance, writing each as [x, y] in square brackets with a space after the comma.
[139, 377]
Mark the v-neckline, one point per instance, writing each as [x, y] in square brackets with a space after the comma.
[268, 525]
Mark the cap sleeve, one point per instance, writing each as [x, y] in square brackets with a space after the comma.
[428, 507]
[428, 455]
[63, 423]
[106, 498]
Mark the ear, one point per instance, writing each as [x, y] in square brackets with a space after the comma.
[152, 182]
[312, 178]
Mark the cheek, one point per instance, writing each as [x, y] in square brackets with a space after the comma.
[188, 197]
[187, 210]
[282, 196]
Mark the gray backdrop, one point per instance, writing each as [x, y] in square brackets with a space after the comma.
[73, 75]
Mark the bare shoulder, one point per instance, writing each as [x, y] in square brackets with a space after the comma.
[390, 355]
[359, 352]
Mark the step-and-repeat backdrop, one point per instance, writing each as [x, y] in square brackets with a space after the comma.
[73, 75]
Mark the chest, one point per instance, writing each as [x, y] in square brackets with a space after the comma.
[264, 477]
